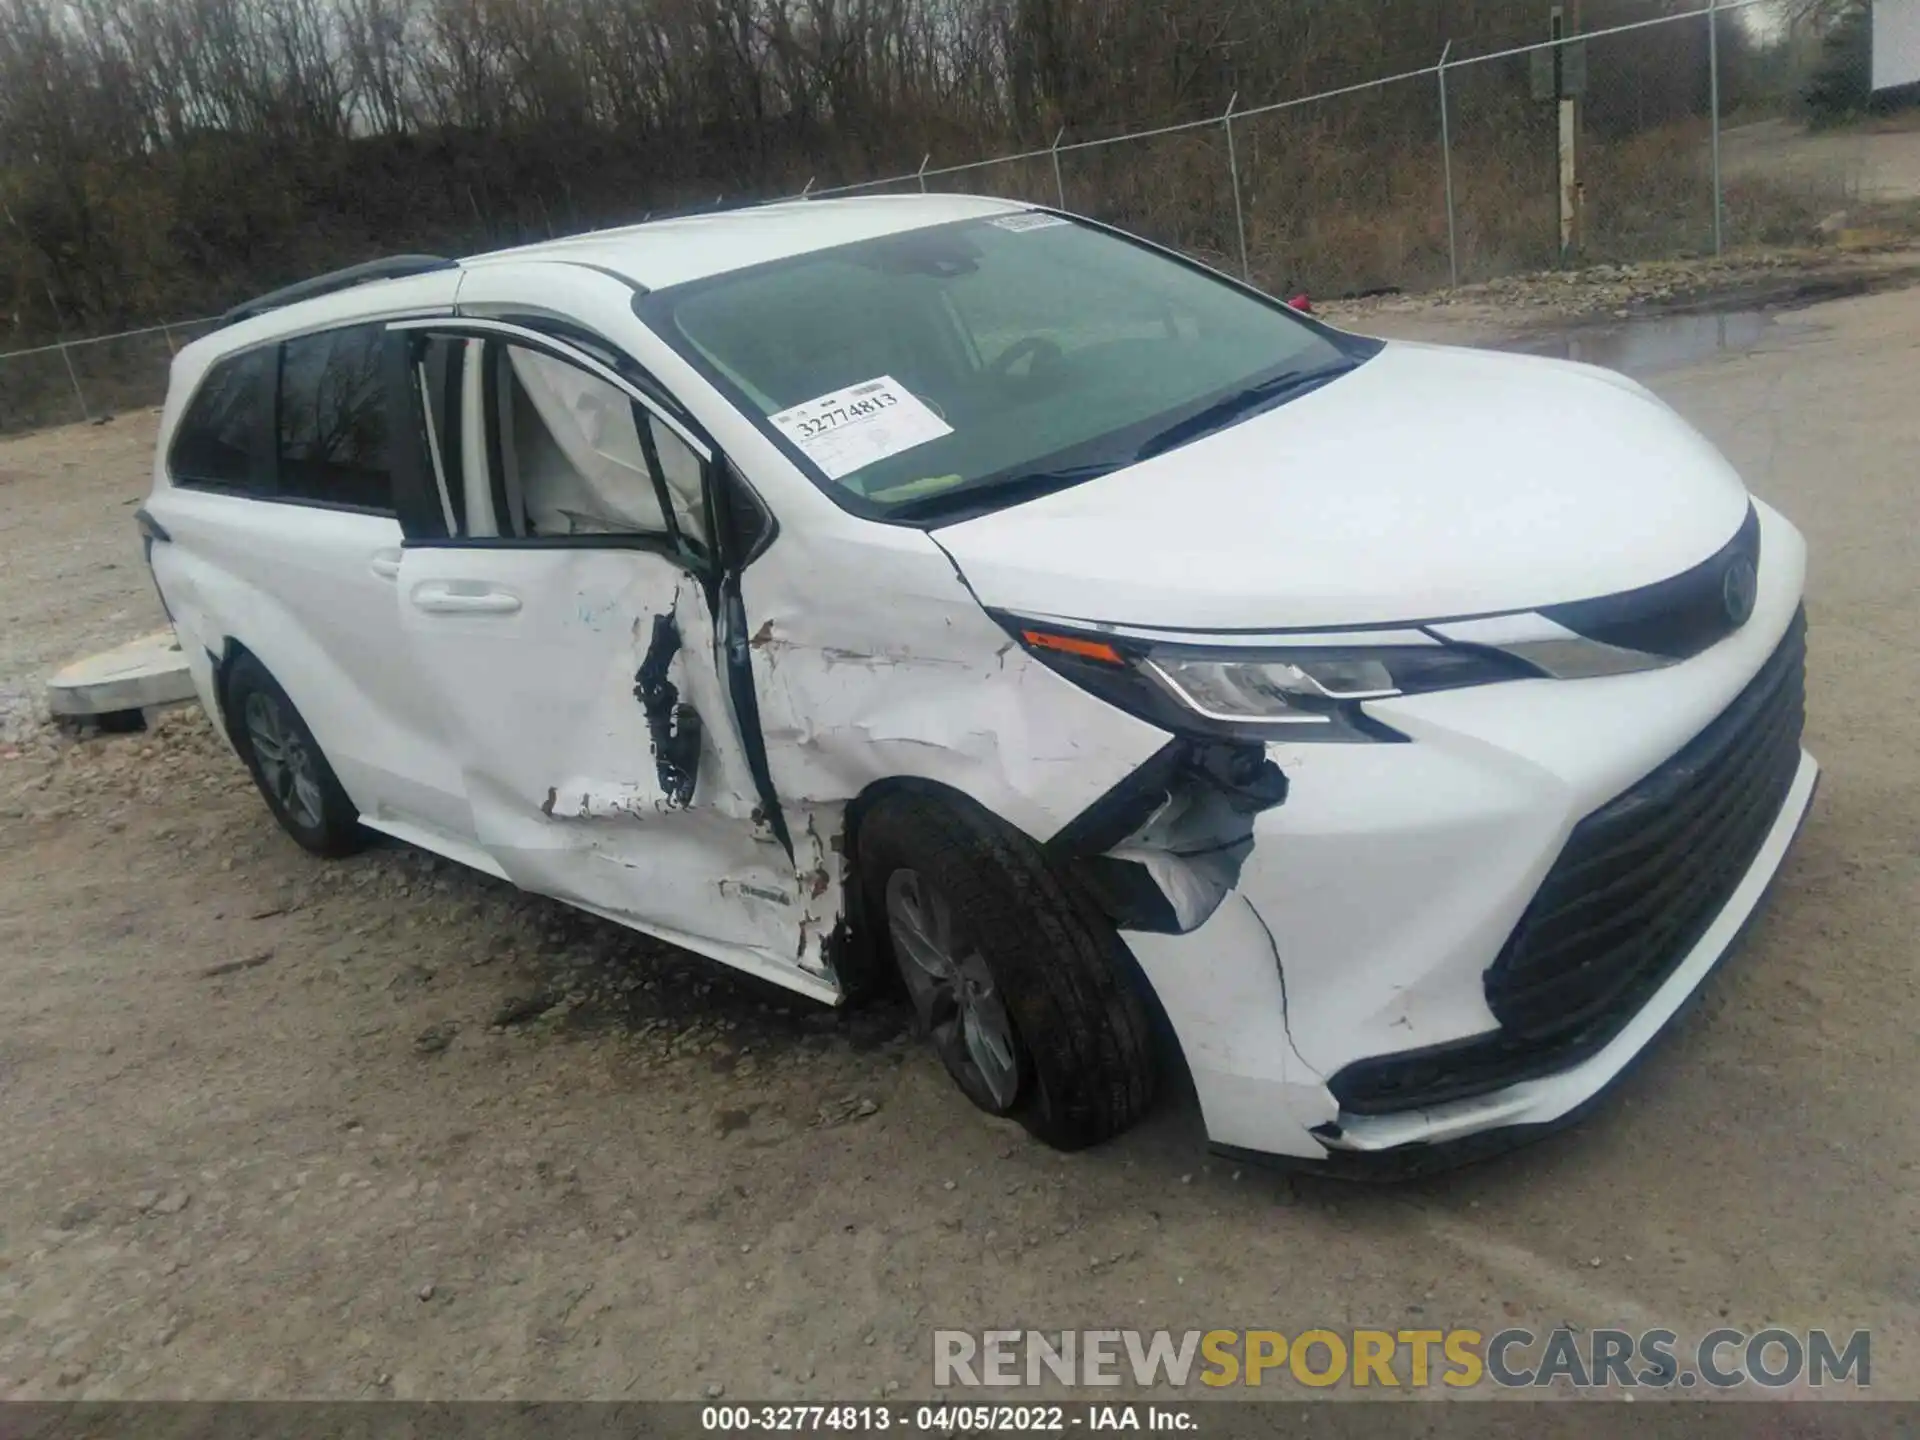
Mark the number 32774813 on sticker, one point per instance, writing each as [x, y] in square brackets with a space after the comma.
[851, 428]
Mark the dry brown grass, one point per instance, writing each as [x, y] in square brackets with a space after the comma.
[1335, 214]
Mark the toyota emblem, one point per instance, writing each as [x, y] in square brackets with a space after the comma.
[1738, 590]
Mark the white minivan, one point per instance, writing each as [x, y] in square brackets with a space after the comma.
[939, 591]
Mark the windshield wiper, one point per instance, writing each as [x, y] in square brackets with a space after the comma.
[1001, 491]
[1005, 490]
[1260, 395]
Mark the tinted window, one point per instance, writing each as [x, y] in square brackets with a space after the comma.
[219, 439]
[333, 420]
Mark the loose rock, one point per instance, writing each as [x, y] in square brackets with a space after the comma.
[78, 1213]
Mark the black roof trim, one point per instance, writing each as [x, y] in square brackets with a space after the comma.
[392, 267]
[626, 280]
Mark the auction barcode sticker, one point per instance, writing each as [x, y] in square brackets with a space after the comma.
[849, 429]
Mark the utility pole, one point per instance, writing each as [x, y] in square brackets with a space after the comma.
[1560, 76]
[1572, 189]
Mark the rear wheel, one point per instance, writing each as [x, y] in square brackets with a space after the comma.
[287, 764]
[1018, 982]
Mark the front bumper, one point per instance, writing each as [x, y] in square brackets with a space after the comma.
[1537, 1106]
[1378, 897]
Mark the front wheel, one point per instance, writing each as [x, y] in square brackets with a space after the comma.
[1019, 983]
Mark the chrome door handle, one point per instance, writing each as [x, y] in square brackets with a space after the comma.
[439, 598]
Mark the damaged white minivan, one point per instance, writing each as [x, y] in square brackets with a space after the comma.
[945, 592]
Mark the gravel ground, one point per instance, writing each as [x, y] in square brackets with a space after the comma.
[1520, 306]
[382, 1127]
[1879, 160]
[74, 581]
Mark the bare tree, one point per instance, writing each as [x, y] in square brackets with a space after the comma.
[164, 155]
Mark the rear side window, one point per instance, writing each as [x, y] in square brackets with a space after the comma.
[221, 443]
[333, 420]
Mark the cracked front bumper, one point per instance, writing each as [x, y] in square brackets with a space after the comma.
[1378, 898]
[1544, 1103]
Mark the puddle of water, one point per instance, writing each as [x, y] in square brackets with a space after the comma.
[1660, 342]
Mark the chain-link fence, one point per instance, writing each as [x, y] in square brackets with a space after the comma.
[1601, 146]
[79, 380]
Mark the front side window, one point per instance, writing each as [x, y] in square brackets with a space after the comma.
[527, 445]
[965, 366]
[572, 448]
[333, 424]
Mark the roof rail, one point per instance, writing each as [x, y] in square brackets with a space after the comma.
[719, 205]
[392, 267]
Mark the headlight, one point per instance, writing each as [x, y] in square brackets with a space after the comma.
[1285, 684]
[1308, 692]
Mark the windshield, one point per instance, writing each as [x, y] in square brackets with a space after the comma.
[963, 367]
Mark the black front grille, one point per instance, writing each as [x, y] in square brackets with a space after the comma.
[1637, 884]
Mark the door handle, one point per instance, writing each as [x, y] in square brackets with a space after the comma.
[439, 598]
[385, 564]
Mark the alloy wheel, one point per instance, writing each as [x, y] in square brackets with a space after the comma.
[954, 992]
[285, 760]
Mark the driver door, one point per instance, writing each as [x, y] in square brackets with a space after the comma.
[554, 592]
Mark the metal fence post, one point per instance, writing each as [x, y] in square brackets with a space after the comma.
[1713, 100]
[1239, 212]
[78, 394]
[1446, 170]
[1059, 185]
[925, 160]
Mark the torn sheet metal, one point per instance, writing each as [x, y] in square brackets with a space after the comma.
[925, 686]
[674, 728]
[1224, 993]
[1188, 852]
[1192, 885]
[903, 675]
[597, 745]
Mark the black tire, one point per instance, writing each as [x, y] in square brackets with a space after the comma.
[298, 784]
[1086, 1065]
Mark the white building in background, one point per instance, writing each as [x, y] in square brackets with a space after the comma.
[1896, 43]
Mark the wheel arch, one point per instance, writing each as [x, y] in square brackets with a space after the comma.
[859, 935]
[222, 660]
